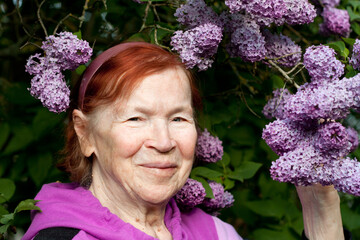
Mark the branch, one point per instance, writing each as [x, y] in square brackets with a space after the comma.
[293, 69]
[82, 18]
[243, 80]
[145, 16]
[297, 34]
[39, 18]
[62, 21]
[287, 78]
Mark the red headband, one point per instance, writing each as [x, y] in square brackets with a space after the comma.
[98, 61]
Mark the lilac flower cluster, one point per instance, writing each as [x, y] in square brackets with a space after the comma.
[190, 195]
[193, 194]
[355, 58]
[265, 12]
[321, 63]
[197, 46]
[274, 108]
[62, 52]
[278, 46]
[311, 145]
[336, 21]
[209, 148]
[195, 13]
[246, 41]
[222, 199]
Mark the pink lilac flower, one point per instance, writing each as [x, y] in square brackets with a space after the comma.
[279, 46]
[283, 136]
[336, 21]
[321, 63]
[353, 138]
[228, 200]
[194, 13]
[209, 148]
[327, 3]
[197, 46]
[190, 195]
[274, 108]
[69, 51]
[355, 57]
[246, 41]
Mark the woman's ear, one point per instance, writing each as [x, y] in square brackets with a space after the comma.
[82, 129]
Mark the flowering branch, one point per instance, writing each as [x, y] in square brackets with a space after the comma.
[39, 18]
[287, 78]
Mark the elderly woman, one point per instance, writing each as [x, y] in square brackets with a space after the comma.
[130, 147]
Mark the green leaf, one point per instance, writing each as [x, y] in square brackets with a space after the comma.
[353, 16]
[4, 133]
[350, 71]
[18, 94]
[44, 122]
[208, 190]
[28, 204]
[349, 41]
[350, 219]
[142, 37]
[277, 81]
[21, 138]
[269, 208]
[225, 160]
[229, 184]
[39, 166]
[3, 211]
[356, 27]
[205, 172]
[78, 34]
[7, 218]
[4, 228]
[7, 189]
[80, 69]
[355, 4]
[245, 171]
[267, 234]
[339, 47]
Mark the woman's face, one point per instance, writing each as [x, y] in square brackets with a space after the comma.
[146, 144]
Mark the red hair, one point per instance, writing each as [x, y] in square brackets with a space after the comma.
[117, 78]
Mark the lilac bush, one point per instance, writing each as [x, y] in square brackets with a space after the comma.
[355, 57]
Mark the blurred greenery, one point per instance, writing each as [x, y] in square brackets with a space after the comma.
[234, 94]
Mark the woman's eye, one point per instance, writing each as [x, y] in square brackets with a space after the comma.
[134, 119]
[178, 119]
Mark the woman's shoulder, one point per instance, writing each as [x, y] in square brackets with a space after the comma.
[225, 230]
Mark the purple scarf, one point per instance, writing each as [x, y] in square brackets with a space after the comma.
[69, 205]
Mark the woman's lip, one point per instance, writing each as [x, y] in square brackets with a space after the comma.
[159, 165]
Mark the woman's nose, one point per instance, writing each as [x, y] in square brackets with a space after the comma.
[160, 138]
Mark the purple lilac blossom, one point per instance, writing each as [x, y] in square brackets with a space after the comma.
[336, 21]
[282, 136]
[355, 57]
[266, 12]
[327, 101]
[298, 12]
[195, 13]
[298, 167]
[197, 46]
[274, 108]
[69, 51]
[278, 46]
[347, 172]
[216, 203]
[353, 138]
[236, 5]
[190, 195]
[209, 148]
[246, 41]
[228, 200]
[353, 85]
[321, 63]
[331, 136]
[50, 88]
[327, 3]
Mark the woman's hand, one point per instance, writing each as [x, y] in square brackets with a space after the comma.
[321, 212]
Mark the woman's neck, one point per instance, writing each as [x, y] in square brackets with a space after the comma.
[146, 217]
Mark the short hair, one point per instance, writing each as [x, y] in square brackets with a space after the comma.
[116, 78]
